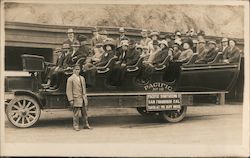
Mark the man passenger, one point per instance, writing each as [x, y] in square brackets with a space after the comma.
[71, 37]
[187, 52]
[232, 53]
[210, 55]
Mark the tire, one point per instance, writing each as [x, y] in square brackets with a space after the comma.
[143, 111]
[23, 111]
[174, 116]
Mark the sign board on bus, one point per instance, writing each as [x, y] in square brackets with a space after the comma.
[161, 102]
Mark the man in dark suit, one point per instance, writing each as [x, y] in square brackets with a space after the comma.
[210, 55]
[74, 55]
[127, 58]
[76, 94]
[109, 53]
[232, 53]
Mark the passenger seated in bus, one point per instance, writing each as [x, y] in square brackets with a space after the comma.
[121, 37]
[145, 40]
[201, 49]
[163, 53]
[55, 73]
[84, 51]
[187, 52]
[177, 38]
[74, 55]
[154, 35]
[71, 37]
[145, 52]
[104, 35]
[138, 47]
[128, 57]
[224, 45]
[122, 49]
[195, 43]
[152, 53]
[97, 38]
[232, 53]
[176, 51]
[94, 57]
[90, 71]
[147, 66]
[210, 55]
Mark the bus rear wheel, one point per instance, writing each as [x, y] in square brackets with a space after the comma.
[174, 116]
[23, 111]
[143, 111]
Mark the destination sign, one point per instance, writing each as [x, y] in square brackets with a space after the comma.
[161, 102]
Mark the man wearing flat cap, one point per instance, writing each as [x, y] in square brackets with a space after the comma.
[127, 57]
[76, 94]
[210, 55]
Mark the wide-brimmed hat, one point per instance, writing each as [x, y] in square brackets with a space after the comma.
[154, 33]
[201, 41]
[110, 43]
[224, 40]
[70, 30]
[212, 42]
[164, 42]
[121, 30]
[189, 42]
[75, 44]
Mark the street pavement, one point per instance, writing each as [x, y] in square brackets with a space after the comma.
[204, 124]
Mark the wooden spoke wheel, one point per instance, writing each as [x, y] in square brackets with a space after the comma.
[174, 116]
[143, 111]
[23, 111]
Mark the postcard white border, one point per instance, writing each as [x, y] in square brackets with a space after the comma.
[131, 149]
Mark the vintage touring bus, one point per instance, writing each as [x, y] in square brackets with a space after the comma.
[167, 94]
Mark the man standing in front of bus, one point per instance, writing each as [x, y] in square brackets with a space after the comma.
[76, 94]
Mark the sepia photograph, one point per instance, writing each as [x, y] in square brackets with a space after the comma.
[125, 78]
